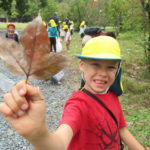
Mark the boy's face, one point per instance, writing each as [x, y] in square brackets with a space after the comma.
[99, 75]
[11, 29]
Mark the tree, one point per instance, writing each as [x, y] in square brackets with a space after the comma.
[6, 5]
[97, 8]
[47, 11]
[78, 10]
[14, 13]
[63, 10]
[22, 8]
[146, 11]
[33, 9]
[42, 3]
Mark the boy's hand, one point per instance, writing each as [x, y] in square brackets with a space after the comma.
[24, 109]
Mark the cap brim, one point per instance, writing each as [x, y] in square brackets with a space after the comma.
[98, 57]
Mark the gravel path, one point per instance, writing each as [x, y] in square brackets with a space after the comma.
[55, 96]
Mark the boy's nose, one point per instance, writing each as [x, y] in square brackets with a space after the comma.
[102, 72]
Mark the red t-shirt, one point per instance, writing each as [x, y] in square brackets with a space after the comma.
[93, 127]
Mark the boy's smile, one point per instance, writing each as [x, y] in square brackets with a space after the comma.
[99, 75]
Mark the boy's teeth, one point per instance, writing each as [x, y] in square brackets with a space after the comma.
[99, 82]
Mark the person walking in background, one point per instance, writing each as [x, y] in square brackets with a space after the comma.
[56, 19]
[92, 118]
[71, 27]
[82, 28]
[11, 32]
[52, 34]
[68, 36]
[62, 31]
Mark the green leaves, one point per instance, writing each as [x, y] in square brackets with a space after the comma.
[6, 5]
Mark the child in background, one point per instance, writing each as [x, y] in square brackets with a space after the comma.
[52, 34]
[62, 32]
[71, 27]
[68, 36]
[57, 78]
[11, 32]
[82, 28]
[85, 124]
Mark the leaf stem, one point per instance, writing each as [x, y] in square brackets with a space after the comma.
[27, 77]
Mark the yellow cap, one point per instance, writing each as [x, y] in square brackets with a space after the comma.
[101, 47]
[82, 24]
[52, 23]
[65, 27]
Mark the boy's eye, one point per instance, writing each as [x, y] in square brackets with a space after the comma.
[112, 67]
[96, 65]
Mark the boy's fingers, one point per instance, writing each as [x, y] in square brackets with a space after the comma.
[30, 92]
[20, 100]
[10, 102]
[5, 110]
[34, 93]
[21, 87]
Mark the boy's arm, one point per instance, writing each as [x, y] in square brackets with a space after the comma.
[130, 140]
[59, 140]
[24, 109]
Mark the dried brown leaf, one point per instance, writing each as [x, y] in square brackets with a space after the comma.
[31, 57]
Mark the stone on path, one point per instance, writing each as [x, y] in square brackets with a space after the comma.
[5, 83]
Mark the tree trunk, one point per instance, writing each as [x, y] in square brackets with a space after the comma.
[146, 11]
[148, 50]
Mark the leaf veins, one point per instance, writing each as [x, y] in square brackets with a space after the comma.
[32, 57]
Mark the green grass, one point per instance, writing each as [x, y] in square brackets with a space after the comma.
[136, 82]
[19, 26]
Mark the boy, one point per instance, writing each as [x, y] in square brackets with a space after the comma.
[85, 124]
[11, 32]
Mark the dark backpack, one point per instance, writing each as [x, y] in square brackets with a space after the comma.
[92, 31]
[117, 87]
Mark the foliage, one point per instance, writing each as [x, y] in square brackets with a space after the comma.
[146, 26]
[32, 8]
[21, 9]
[123, 15]
[48, 10]
[42, 3]
[6, 5]
[63, 10]
[14, 12]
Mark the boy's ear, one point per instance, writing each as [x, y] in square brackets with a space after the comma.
[81, 64]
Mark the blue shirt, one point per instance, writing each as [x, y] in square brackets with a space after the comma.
[52, 32]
